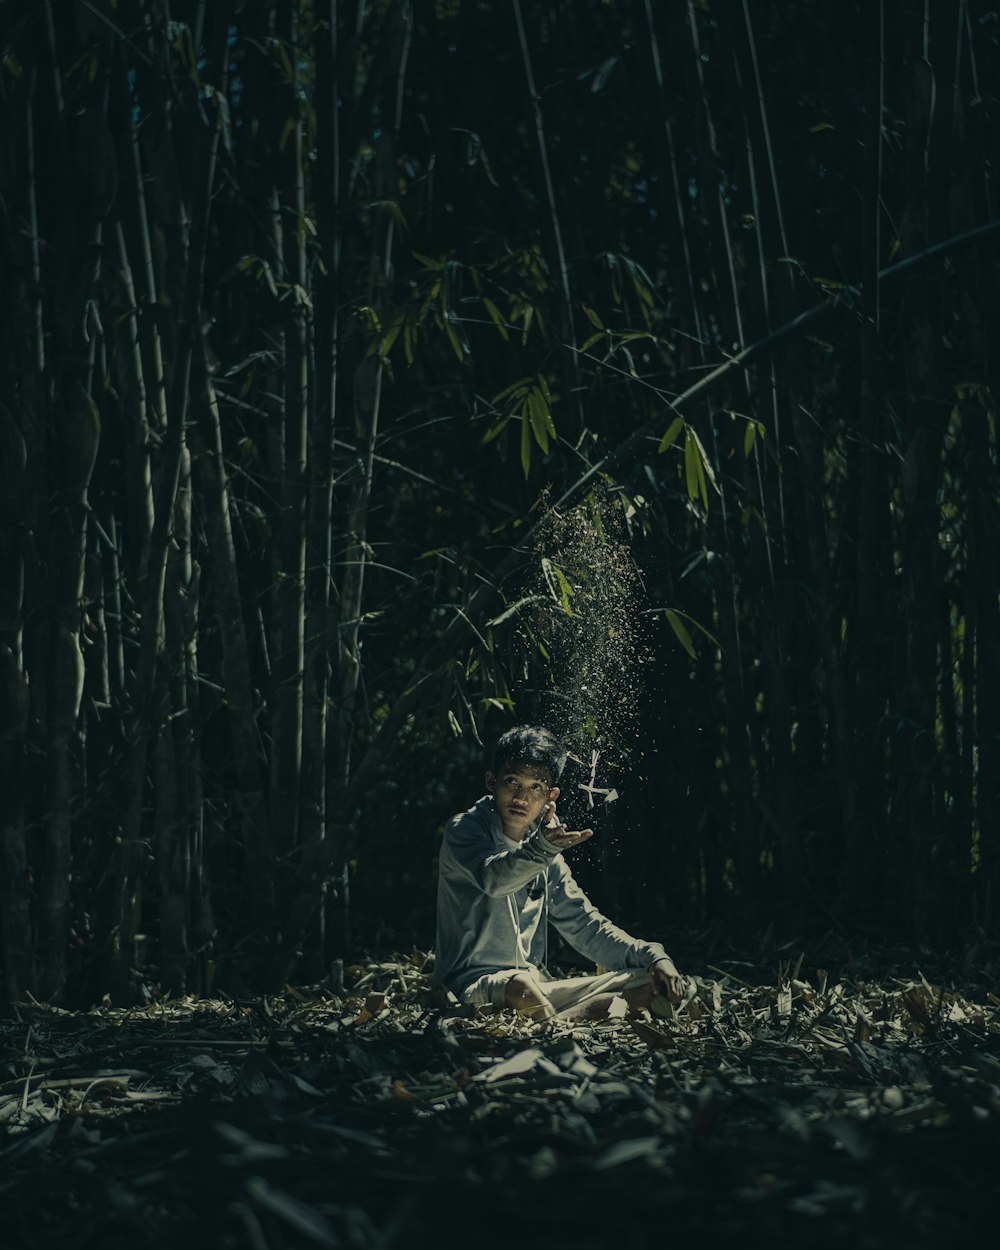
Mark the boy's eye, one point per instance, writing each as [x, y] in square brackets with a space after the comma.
[532, 787]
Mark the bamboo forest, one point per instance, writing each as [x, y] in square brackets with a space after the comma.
[379, 375]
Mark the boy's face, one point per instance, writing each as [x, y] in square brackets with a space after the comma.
[521, 792]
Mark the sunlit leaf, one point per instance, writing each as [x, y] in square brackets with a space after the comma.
[670, 437]
[691, 464]
[680, 629]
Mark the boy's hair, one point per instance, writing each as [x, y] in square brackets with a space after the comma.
[530, 744]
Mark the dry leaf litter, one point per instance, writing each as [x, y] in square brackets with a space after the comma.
[793, 1111]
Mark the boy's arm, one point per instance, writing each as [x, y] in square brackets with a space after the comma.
[471, 849]
[590, 932]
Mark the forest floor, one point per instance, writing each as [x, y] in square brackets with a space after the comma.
[801, 1109]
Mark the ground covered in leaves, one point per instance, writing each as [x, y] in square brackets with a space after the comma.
[813, 1109]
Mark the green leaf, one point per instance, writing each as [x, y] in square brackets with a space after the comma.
[390, 336]
[453, 339]
[702, 486]
[371, 316]
[534, 406]
[754, 429]
[706, 465]
[673, 429]
[691, 461]
[683, 616]
[748, 436]
[525, 446]
[592, 317]
[565, 589]
[681, 630]
[559, 588]
[495, 431]
[428, 262]
[498, 321]
[594, 338]
[515, 391]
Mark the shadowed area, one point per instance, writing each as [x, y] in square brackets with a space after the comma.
[813, 1107]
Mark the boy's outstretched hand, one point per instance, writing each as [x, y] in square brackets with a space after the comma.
[667, 980]
[557, 833]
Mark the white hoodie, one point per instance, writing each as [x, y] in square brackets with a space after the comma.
[493, 899]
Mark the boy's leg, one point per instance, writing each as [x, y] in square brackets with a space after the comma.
[591, 996]
[523, 993]
[510, 988]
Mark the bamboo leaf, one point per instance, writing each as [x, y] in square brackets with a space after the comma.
[512, 610]
[565, 590]
[680, 629]
[495, 431]
[691, 460]
[545, 399]
[702, 485]
[706, 464]
[525, 446]
[514, 391]
[754, 428]
[534, 406]
[673, 429]
[592, 317]
[453, 339]
[498, 321]
[558, 585]
[684, 616]
[390, 336]
[602, 75]
[428, 262]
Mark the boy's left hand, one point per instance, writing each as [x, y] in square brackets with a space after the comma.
[557, 833]
[667, 980]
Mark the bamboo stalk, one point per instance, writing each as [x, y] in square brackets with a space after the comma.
[124, 916]
[320, 643]
[568, 360]
[288, 657]
[213, 494]
[15, 897]
[309, 884]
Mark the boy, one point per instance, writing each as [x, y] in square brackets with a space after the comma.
[502, 878]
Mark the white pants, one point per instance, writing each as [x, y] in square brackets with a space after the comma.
[571, 994]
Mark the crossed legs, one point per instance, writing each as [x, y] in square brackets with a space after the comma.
[524, 993]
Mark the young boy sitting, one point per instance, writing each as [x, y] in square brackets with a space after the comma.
[502, 878]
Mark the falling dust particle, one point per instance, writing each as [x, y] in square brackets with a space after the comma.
[587, 616]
